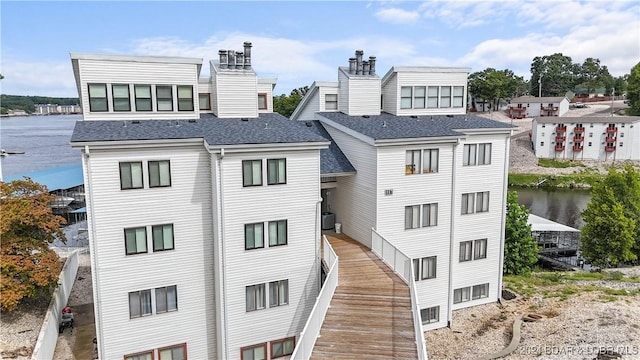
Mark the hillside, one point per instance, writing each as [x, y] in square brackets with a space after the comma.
[27, 103]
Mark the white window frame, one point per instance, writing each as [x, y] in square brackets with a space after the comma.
[430, 160]
[162, 237]
[278, 293]
[406, 97]
[278, 233]
[166, 299]
[251, 173]
[484, 154]
[482, 201]
[469, 154]
[462, 295]
[159, 173]
[185, 97]
[141, 300]
[419, 97]
[466, 251]
[480, 291]
[139, 237]
[479, 249]
[430, 315]
[445, 97]
[433, 95]
[255, 297]
[411, 217]
[331, 101]
[430, 215]
[425, 268]
[458, 97]
[133, 176]
[412, 162]
[468, 203]
[258, 236]
[276, 171]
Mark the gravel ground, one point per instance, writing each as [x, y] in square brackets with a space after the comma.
[576, 328]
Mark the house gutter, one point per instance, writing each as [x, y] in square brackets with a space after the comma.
[452, 235]
[505, 181]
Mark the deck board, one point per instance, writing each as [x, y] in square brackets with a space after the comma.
[370, 314]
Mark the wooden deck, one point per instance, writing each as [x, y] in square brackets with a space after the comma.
[370, 314]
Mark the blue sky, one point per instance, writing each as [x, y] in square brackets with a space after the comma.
[299, 42]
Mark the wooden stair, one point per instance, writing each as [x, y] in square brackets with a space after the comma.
[370, 313]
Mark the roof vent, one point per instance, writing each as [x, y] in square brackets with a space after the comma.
[266, 126]
[135, 122]
[308, 123]
[244, 119]
[414, 116]
[365, 116]
[384, 124]
[449, 116]
[192, 120]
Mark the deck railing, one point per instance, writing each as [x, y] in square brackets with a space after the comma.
[311, 330]
[401, 265]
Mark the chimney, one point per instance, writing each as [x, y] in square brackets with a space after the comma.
[239, 60]
[365, 68]
[231, 55]
[372, 65]
[223, 59]
[352, 66]
[359, 54]
[247, 55]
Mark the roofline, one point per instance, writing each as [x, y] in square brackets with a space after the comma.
[304, 101]
[242, 148]
[587, 119]
[345, 71]
[136, 143]
[136, 58]
[418, 140]
[423, 69]
[340, 174]
[346, 130]
[267, 80]
[486, 130]
[535, 99]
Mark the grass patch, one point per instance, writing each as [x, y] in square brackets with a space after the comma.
[558, 164]
[607, 298]
[616, 292]
[582, 179]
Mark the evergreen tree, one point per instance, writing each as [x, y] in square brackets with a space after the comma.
[520, 247]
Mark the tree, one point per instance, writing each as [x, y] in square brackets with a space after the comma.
[592, 75]
[286, 105]
[520, 247]
[27, 226]
[620, 85]
[494, 85]
[633, 90]
[558, 74]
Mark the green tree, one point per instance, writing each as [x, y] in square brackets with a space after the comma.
[592, 75]
[633, 90]
[494, 85]
[286, 105]
[29, 268]
[556, 72]
[620, 85]
[520, 247]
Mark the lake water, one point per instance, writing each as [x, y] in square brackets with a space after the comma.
[44, 140]
[562, 206]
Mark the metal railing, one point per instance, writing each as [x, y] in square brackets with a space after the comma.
[311, 330]
[401, 265]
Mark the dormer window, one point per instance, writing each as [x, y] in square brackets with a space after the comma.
[205, 101]
[432, 101]
[143, 97]
[185, 98]
[419, 97]
[445, 96]
[164, 98]
[121, 100]
[98, 97]
[262, 101]
[405, 97]
[458, 96]
[331, 101]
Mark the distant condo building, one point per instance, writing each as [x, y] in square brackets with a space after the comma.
[55, 109]
[206, 210]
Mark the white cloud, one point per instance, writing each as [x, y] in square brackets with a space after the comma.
[397, 16]
[38, 78]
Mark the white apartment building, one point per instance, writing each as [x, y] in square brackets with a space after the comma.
[531, 106]
[204, 207]
[429, 178]
[587, 138]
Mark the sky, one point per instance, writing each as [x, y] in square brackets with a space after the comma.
[299, 42]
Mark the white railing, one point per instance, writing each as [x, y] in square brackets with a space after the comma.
[48, 336]
[401, 265]
[311, 330]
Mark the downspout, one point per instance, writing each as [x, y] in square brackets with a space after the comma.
[223, 350]
[452, 234]
[94, 253]
[505, 181]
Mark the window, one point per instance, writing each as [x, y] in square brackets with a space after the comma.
[276, 171]
[621, 135]
[412, 163]
[482, 201]
[277, 232]
[468, 203]
[445, 96]
[143, 97]
[148, 355]
[204, 101]
[166, 299]
[424, 268]
[461, 295]
[469, 155]
[331, 101]
[412, 217]
[480, 249]
[278, 293]
[98, 97]
[262, 101]
[484, 154]
[419, 95]
[282, 347]
[253, 236]
[254, 352]
[458, 96]
[159, 173]
[432, 97]
[185, 98]
[255, 297]
[429, 215]
[430, 161]
[589, 143]
[121, 100]
[177, 352]
[162, 237]
[466, 250]
[541, 143]
[480, 291]
[135, 240]
[251, 172]
[430, 315]
[405, 97]
[139, 303]
[164, 98]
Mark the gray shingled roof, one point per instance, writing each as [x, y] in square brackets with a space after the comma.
[386, 126]
[332, 159]
[588, 119]
[268, 128]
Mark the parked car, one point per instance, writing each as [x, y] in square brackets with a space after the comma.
[578, 105]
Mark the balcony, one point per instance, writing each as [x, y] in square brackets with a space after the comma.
[560, 139]
[549, 108]
[578, 130]
[612, 130]
[577, 139]
[610, 148]
[610, 139]
[561, 129]
[559, 147]
[577, 148]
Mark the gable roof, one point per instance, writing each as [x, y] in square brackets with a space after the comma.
[391, 127]
[536, 100]
[268, 128]
[315, 86]
[332, 159]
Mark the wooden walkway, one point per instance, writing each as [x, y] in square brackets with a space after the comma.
[370, 314]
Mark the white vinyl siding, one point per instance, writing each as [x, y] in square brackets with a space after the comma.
[445, 92]
[236, 94]
[358, 95]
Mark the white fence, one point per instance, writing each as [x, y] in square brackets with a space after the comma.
[401, 265]
[311, 330]
[48, 336]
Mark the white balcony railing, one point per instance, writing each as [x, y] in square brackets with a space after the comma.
[311, 330]
[401, 265]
